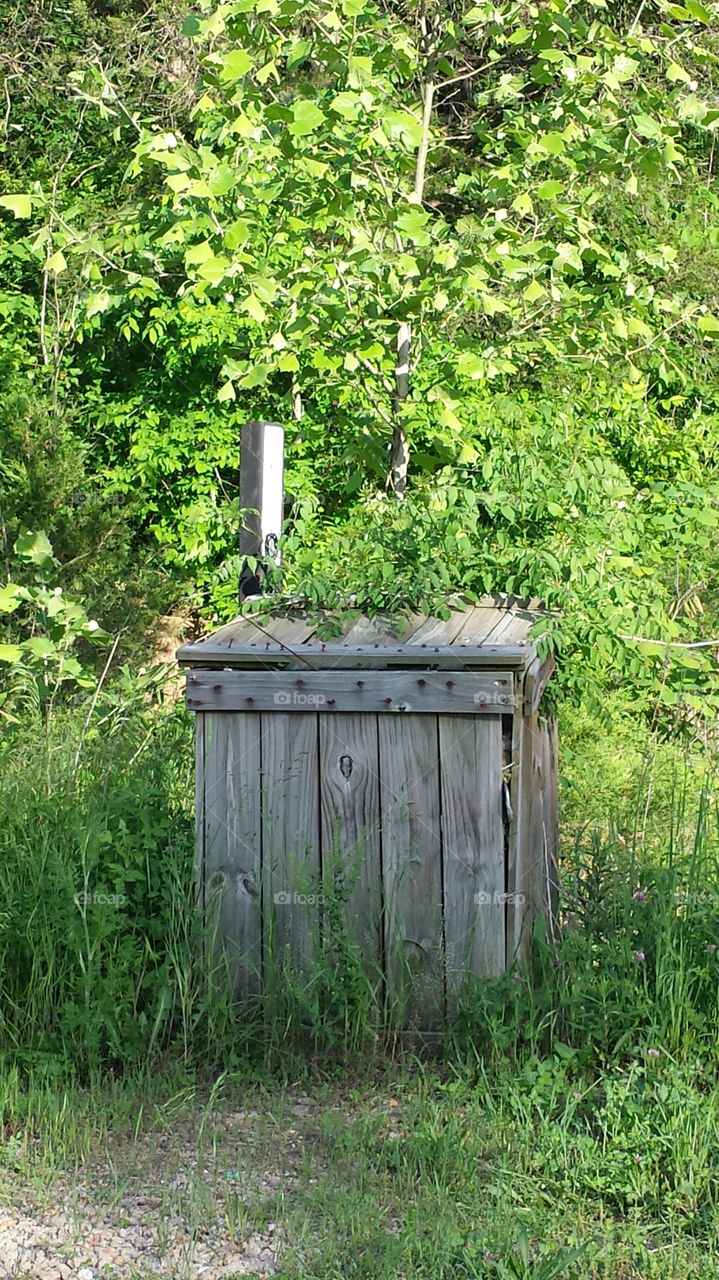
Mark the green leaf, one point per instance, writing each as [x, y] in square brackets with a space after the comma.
[237, 233]
[676, 74]
[235, 65]
[647, 126]
[20, 205]
[299, 52]
[57, 263]
[413, 222]
[552, 143]
[34, 547]
[550, 189]
[214, 269]
[306, 117]
[198, 253]
[254, 308]
[624, 68]
[226, 392]
[471, 365]
[523, 203]
[10, 653]
[360, 71]
[708, 325]
[698, 11]
[9, 598]
[347, 105]
[533, 291]
[288, 363]
[41, 647]
[97, 303]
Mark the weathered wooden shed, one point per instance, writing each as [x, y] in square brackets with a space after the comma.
[414, 754]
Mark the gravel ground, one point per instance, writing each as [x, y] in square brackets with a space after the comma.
[194, 1202]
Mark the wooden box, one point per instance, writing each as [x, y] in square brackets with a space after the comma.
[407, 764]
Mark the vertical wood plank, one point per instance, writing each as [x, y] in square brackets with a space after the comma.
[199, 874]
[290, 834]
[549, 894]
[518, 932]
[350, 824]
[533, 839]
[411, 860]
[470, 750]
[232, 844]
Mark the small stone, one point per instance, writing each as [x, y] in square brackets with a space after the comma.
[86, 1273]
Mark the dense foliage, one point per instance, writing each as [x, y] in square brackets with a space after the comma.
[236, 217]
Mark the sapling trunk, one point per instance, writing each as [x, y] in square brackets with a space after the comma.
[399, 450]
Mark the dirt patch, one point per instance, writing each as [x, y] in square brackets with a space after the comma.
[193, 1203]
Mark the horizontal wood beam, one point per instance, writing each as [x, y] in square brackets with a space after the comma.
[204, 653]
[434, 692]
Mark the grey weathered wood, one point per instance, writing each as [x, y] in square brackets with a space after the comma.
[350, 818]
[381, 630]
[232, 843]
[290, 632]
[470, 750]
[240, 631]
[535, 682]
[290, 835]
[547, 900]
[403, 784]
[200, 849]
[495, 620]
[512, 628]
[450, 693]
[533, 839]
[478, 624]
[411, 865]
[331, 655]
[261, 499]
[437, 632]
[517, 942]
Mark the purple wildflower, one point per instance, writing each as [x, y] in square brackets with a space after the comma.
[640, 896]
[639, 956]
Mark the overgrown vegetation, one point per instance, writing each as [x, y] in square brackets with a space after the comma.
[574, 1110]
[235, 218]
[238, 218]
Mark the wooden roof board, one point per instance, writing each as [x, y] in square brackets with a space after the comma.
[514, 626]
[478, 624]
[438, 631]
[381, 630]
[490, 633]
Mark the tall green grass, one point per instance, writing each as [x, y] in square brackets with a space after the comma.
[104, 966]
[99, 962]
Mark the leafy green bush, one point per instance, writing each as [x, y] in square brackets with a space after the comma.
[48, 628]
[99, 942]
